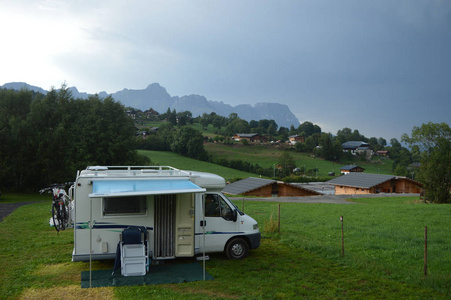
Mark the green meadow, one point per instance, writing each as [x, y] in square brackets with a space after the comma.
[166, 158]
[383, 255]
[265, 156]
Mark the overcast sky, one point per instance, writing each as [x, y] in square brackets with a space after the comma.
[381, 67]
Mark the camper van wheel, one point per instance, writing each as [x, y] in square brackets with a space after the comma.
[237, 248]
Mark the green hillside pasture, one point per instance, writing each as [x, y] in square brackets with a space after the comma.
[266, 156]
[209, 131]
[166, 158]
[382, 236]
[36, 262]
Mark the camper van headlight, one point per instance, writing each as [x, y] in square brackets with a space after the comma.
[255, 226]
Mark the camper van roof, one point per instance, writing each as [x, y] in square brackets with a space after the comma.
[133, 171]
[202, 179]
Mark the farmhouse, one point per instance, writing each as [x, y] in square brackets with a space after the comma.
[267, 188]
[355, 147]
[296, 139]
[362, 183]
[382, 153]
[250, 137]
[351, 168]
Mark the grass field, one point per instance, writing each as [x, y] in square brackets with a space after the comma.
[166, 158]
[383, 255]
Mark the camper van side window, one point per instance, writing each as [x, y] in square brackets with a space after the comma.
[215, 206]
[124, 205]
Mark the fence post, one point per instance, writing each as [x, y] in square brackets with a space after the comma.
[425, 251]
[342, 238]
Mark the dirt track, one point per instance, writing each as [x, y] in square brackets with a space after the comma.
[7, 208]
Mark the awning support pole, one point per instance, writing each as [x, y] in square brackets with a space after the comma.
[203, 234]
[90, 242]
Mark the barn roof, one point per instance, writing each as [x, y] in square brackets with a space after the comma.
[354, 144]
[350, 167]
[361, 180]
[247, 135]
[246, 185]
[253, 183]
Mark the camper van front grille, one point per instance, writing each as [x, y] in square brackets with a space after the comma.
[164, 226]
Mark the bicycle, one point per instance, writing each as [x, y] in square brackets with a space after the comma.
[60, 205]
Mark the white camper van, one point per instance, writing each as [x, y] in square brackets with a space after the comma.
[182, 213]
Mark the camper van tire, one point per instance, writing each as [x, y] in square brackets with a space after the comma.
[237, 248]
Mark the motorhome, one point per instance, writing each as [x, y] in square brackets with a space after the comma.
[181, 213]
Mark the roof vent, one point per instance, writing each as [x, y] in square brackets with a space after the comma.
[97, 168]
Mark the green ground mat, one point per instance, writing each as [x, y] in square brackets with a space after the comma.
[158, 274]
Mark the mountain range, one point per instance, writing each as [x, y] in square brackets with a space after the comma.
[156, 97]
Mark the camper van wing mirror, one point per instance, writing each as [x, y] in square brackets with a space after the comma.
[235, 214]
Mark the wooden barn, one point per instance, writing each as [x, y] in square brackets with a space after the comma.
[250, 137]
[351, 168]
[260, 187]
[363, 183]
[293, 139]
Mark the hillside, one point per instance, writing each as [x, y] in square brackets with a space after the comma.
[166, 158]
[267, 155]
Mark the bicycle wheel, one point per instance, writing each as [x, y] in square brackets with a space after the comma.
[55, 210]
[63, 215]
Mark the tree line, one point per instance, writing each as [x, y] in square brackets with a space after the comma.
[46, 138]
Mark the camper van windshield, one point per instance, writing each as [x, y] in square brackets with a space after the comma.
[124, 205]
[233, 204]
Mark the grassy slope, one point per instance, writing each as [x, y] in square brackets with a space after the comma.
[383, 241]
[165, 158]
[266, 156]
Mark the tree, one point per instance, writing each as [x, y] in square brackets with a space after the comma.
[15, 137]
[204, 121]
[237, 125]
[189, 142]
[65, 135]
[435, 172]
[434, 140]
[329, 150]
[428, 136]
[172, 117]
[382, 142]
[286, 163]
[373, 144]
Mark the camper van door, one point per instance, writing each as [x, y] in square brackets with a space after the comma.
[220, 225]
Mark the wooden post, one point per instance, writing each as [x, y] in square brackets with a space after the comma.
[425, 251]
[278, 221]
[342, 238]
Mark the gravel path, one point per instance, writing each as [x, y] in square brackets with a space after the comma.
[7, 208]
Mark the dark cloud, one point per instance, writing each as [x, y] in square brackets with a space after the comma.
[381, 67]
